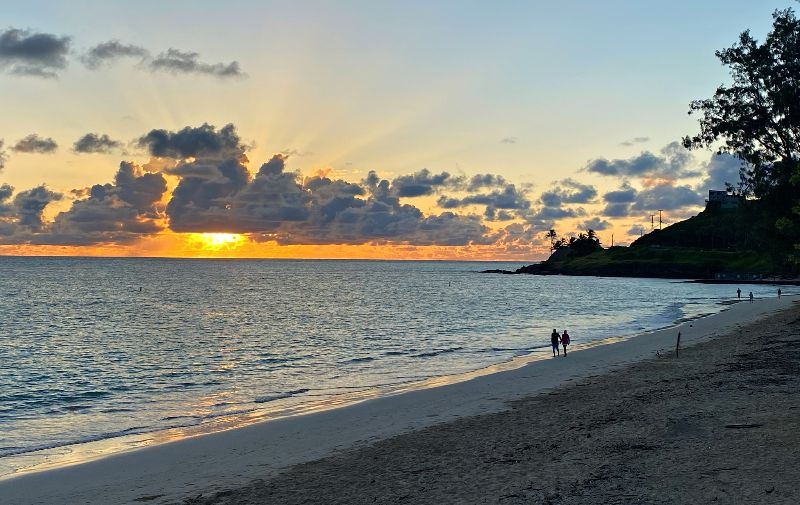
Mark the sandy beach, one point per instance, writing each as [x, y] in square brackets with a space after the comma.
[626, 422]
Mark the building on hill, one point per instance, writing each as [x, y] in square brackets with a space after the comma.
[721, 200]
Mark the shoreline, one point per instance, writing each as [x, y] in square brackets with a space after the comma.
[62, 455]
[235, 457]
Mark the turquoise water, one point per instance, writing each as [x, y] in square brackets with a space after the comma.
[90, 357]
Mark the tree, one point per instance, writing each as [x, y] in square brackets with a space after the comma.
[553, 236]
[757, 119]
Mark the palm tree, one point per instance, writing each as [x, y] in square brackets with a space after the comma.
[553, 236]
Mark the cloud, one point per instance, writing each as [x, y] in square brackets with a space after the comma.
[508, 198]
[3, 156]
[217, 194]
[637, 230]
[6, 209]
[30, 204]
[107, 52]
[481, 181]
[625, 194]
[33, 54]
[721, 169]
[180, 62]
[118, 212]
[666, 197]
[421, 183]
[618, 202]
[596, 224]
[568, 191]
[616, 210]
[35, 144]
[634, 140]
[94, 143]
[105, 213]
[508, 140]
[200, 142]
[671, 163]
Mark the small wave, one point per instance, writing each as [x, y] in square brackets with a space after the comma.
[280, 396]
[400, 353]
[13, 451]
[439, 352]
[365, 359]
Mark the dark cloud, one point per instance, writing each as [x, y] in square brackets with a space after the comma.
[508, 198]
[95, 143]
[671, 163]
[105, 213]
[107, 52]
[617, 210]
[29, 205]
[721, 169]
[200, 142]
[6, 209]
[3, 156]
[633, 141]
[421, 183]
[568, 191]
[119, 212]
[666, 197]
[618, 202]
[34, 54]
[625, 194]
[637, 229]
[481, 181]
[180, 62]
[35, 144]
[596, 224]
[276, 205]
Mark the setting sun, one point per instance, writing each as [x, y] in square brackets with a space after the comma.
[217, 241]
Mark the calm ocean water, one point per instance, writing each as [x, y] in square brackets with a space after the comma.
[92, 364]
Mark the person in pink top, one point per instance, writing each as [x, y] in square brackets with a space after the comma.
[565, 341]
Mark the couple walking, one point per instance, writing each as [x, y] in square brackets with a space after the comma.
[556, 339]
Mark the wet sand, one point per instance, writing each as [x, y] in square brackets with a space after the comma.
[718, 424]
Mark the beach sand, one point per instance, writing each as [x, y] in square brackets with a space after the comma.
[621, 423]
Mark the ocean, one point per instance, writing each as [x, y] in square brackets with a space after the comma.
[102, 355]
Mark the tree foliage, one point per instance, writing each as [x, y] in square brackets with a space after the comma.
[757, 119]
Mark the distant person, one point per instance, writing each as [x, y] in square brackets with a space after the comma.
[565, 341]
[779, 293]
[751, 297]
[554, 341]
[738, 293]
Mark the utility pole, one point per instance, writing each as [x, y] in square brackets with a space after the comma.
[652, 223]
[659, 218]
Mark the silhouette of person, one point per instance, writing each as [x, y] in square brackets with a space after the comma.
[565, 341]
[738, 293]
[554, 341]
[751, 297]
[779, 293]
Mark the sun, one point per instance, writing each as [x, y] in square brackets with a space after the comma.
[217, 241]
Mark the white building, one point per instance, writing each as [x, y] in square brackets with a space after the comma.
[722, 200]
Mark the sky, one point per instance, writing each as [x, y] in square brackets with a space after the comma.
[354, 129]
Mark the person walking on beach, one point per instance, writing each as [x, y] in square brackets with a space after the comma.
[738, 293]
[751, 297]
[779, 293]
[565, 341]
[554, 341]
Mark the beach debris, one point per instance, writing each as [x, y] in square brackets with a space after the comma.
[738, 426]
